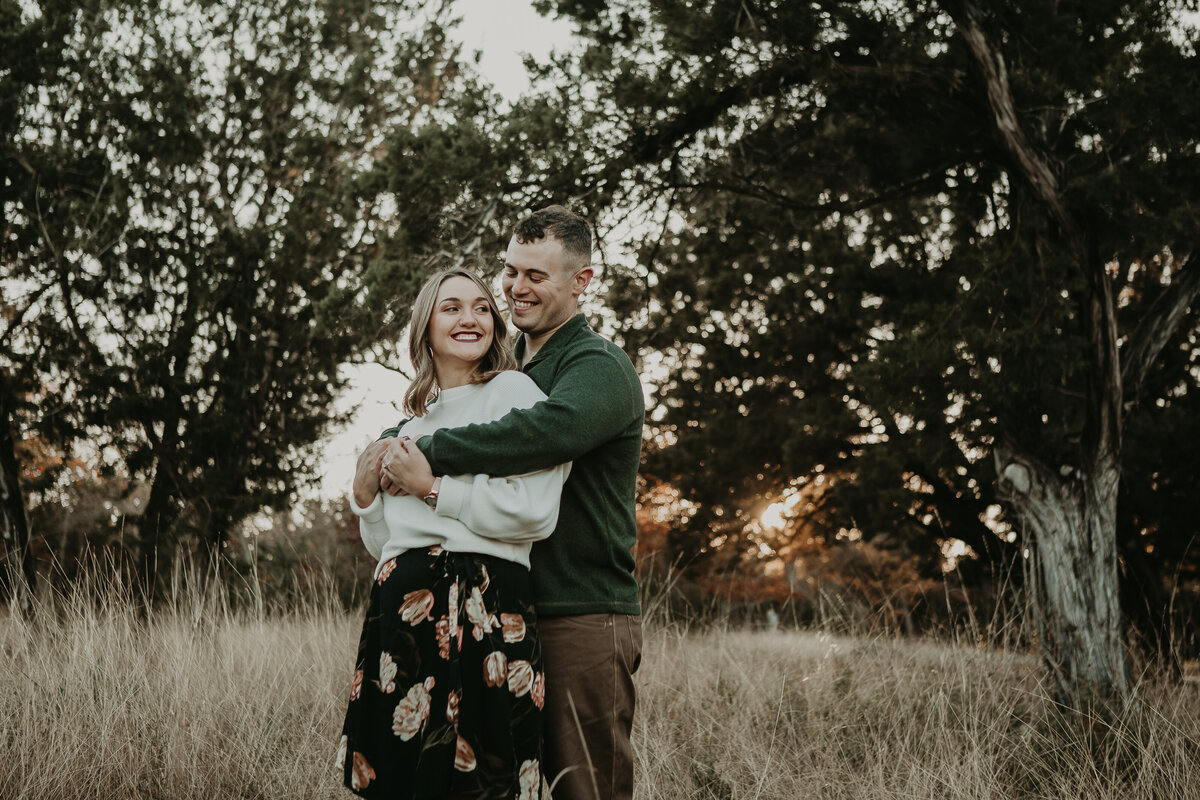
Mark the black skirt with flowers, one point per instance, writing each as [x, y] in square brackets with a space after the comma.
[448, 686]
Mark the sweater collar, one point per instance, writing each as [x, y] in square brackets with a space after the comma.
[556, 341]
[450, 395]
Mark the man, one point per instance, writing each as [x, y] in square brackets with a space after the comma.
[586, 595]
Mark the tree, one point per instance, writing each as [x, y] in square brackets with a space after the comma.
[943, 254]
[17, 562]
[202, 226]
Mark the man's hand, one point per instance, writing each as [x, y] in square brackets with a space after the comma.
[404, 469]
[367, 473]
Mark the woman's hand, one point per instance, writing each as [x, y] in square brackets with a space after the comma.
[367, 473]
[405, 470]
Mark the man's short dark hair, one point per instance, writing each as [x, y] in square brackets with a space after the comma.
[564, 225]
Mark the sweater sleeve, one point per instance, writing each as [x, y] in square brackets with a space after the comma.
[371, 525]
[522, 508]
[593, 401]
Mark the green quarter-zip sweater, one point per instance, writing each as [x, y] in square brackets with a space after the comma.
[592, 416]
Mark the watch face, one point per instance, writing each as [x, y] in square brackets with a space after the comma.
[431, 500]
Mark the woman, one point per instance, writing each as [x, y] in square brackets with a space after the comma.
[448, 686]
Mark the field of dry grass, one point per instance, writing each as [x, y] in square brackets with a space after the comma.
[733, 714]
[203, 702]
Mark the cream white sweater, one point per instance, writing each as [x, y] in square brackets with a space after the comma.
[475, 513]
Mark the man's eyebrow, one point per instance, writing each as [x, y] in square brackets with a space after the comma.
[530, 269]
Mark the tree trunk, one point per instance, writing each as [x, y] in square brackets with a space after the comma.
[1070, 517]
[1070, 525]
[156, 519]
[17, 575]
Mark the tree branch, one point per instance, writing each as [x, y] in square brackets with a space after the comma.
[1160, 322]
[652, 145]
[65, 287]
[766, 195]
[1032, 165]
[16, 320]
[1102, 434]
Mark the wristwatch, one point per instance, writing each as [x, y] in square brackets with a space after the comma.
[431, 498]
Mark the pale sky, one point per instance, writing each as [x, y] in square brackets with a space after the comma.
[502, 30]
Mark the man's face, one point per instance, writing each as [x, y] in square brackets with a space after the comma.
[542, 289]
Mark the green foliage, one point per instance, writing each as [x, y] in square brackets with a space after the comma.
[209, 208]
[848, 274]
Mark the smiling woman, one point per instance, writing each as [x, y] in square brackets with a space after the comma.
[460, 330]
[441, 310]
[433, 712]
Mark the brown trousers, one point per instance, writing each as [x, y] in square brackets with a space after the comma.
[590, 660]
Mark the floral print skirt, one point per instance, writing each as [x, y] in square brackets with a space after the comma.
[448, 686]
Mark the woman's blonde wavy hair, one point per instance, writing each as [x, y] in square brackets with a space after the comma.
[498, 357]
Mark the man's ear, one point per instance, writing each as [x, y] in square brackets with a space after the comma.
[581, 280]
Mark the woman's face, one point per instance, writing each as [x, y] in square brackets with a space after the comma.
[460, 330]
